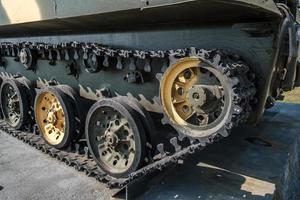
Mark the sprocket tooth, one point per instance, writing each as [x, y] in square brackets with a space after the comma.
[175, 144]
[164, 120]
[216, 60]
[181, 136]
[229, 125]
[223, 132]
[160, 148]
[203, 53]
[203, 141]
[193, 51]
[156, 100]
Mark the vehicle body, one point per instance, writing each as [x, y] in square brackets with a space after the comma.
[143, 40]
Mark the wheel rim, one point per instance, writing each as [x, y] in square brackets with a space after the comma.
[50, 117]
[195, 95]
[114, 145]
[10, 100]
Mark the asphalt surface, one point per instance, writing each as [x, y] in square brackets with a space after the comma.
[28, 174]
[253, 163]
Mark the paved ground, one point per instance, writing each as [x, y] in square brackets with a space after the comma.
[26, 173]
[247, 165]
[252, 163]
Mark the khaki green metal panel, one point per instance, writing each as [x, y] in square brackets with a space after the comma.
[23, 11]
[73, 8]
[268, 5]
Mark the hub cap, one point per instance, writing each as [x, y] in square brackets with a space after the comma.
[50, 117]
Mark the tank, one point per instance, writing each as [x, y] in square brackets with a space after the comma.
[123, 88]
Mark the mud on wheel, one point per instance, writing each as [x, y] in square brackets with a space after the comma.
[116, 137]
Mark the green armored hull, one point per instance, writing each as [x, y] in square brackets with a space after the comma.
[143, 83]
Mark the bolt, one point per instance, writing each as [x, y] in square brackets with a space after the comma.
[196, 96]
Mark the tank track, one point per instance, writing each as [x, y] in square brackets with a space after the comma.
[233, 65]
[83, 162]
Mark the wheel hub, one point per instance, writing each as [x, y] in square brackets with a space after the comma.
[51, 118]
[112, 139]
[197, 96]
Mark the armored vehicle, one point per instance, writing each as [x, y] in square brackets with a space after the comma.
[121, 88]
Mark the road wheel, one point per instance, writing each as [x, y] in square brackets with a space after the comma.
[14, 103]
[55, 117]
[116, 137]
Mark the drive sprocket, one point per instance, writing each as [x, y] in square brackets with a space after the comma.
[205, 96]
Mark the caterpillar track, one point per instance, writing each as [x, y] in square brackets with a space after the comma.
[83, 161]
[79, 156]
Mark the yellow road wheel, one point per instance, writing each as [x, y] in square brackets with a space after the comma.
[54, 117]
